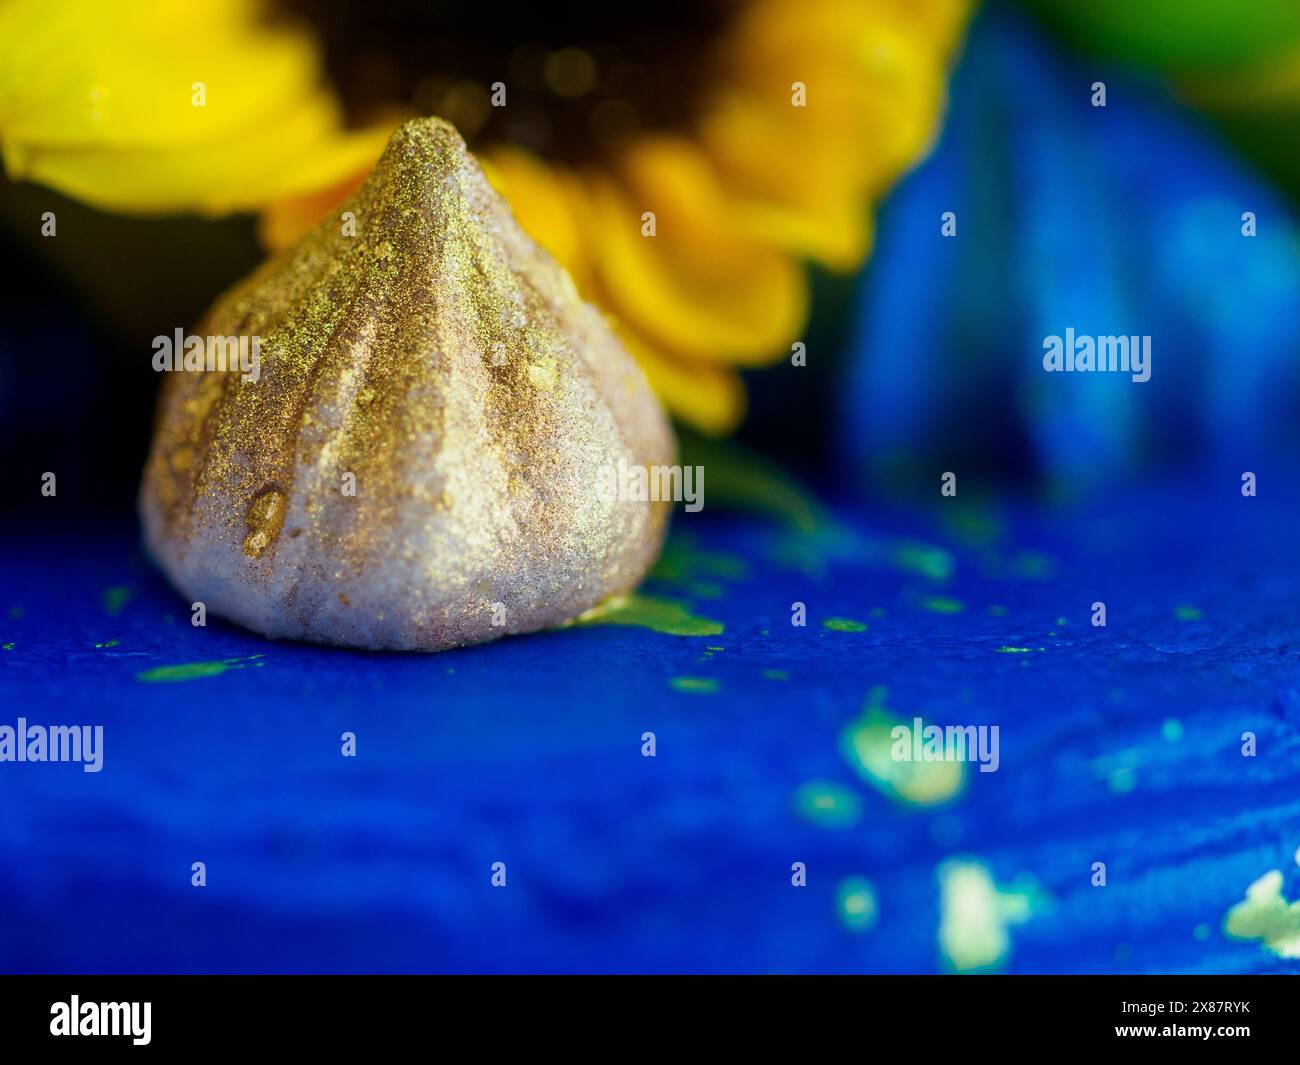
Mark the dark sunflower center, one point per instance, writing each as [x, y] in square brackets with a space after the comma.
[578, 77]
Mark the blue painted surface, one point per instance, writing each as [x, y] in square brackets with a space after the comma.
[528, 751]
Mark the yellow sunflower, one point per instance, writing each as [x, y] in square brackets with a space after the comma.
[683, 165]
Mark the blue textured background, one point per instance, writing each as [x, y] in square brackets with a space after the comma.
[528, 751]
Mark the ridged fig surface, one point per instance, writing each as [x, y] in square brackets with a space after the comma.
[417, 465]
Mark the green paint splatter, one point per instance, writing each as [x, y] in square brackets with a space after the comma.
[728, 567]
[8, 647]
[650, 612]
[682, 562]
[976, 914]
[867, 744]
[194, 670]
[1187, 613]
[976, 526]
[1122, 780]
[1017, 650]
[109, 643]
[1266, 915]
[715, 648]
[740, 479]
[942, 604]
[811, 553]
[1033, 565]
[828, 804]
[695, 685]
[844, 625]
[775, 674]
[1119, 769]
[116, 598]
[855, 901]
[929, 561]
[707, 590]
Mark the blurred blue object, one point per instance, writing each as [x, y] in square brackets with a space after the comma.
[1116, 220]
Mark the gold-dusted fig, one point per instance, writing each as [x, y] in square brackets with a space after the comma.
[416, 461]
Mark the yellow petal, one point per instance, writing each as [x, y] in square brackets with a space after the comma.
[836, 233]
[546, 200]
[711, 398]
[549, 203]
[285, 220]
[156, 106]
[834, 29]
[238, 174]
[872, 76]
[699, 285]
[817, 207]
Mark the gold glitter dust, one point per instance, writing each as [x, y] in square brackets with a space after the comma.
[434, 358]
[265, 517]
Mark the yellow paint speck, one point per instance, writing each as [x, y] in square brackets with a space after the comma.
[659, 615]
[1266, 915]
[544, 373]
[942, 604]
[264, 519]
[975, 916]
[828, 804]
[855, 899]
[695, 685]
[195, 670]
[867, 744]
